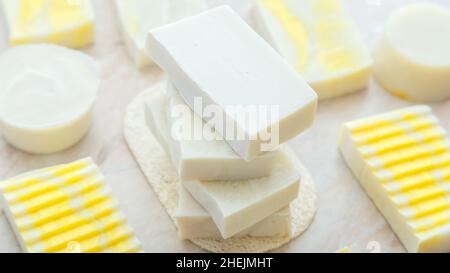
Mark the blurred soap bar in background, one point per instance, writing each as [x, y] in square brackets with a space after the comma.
[68, 23]
[320, 39]
[412, 58]
[47, 96]
[137, 17]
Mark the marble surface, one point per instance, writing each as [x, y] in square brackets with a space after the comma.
[346, 216]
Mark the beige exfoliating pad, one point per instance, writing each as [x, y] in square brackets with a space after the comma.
[163, 178]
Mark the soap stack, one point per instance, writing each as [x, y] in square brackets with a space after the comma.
[230, 101]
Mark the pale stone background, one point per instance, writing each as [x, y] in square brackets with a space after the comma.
[346, 217]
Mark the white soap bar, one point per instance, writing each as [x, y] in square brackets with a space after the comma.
[202, 158]
[137, 17]
[238, 205]
[194, 221]
[402, 159]
[412, 59]
[47, 93]
[320, 39]
[202, 152]
[216, 59]
[65, 22]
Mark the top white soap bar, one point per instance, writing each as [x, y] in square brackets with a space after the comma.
[216, 59]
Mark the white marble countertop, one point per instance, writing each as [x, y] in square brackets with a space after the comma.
[346, 216]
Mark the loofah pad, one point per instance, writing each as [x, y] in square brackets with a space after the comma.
[163, 178]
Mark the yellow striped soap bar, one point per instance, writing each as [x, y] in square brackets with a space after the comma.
[320, 39]
[402, 159]
[66, 208]
[68, 23]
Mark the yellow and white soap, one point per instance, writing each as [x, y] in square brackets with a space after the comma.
[137, 17]
[412, 59]
[320, 39]
[66, 208]
[402, 159]
[47, 94]
[68, 23]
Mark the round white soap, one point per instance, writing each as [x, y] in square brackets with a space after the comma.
[47, 94]
[412, 59]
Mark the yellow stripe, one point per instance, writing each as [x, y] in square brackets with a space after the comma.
[327, 7]
[28, 12]
[68, 209]
[338, 59]
[294, 28]
[64, 22]
[63, 13]
[413, 167]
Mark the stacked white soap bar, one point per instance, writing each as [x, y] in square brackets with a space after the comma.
[64, 22]
[238, 205]
[195, 222]
[202, 158]
[402, 159]
[230, 187]
[137, 17]
[258, 210]
[320, 40]
[218, 59]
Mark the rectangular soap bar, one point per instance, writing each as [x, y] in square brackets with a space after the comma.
[66, 208]
[194, 221]
[65, 22]
[234, 79]
[199, 158]
[238, 205]
[137, 17]
[203, 153]
[319, 39]
[402, 159]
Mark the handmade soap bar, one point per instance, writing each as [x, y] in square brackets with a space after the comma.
[201, 153]
[402, 159]
[137, 17]
[412, 59]
[318, 38]
[237, 205]
[199, 158]
[223, 69]
[194, 222]
[65, 22]
[47, 93]
[66, 208]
